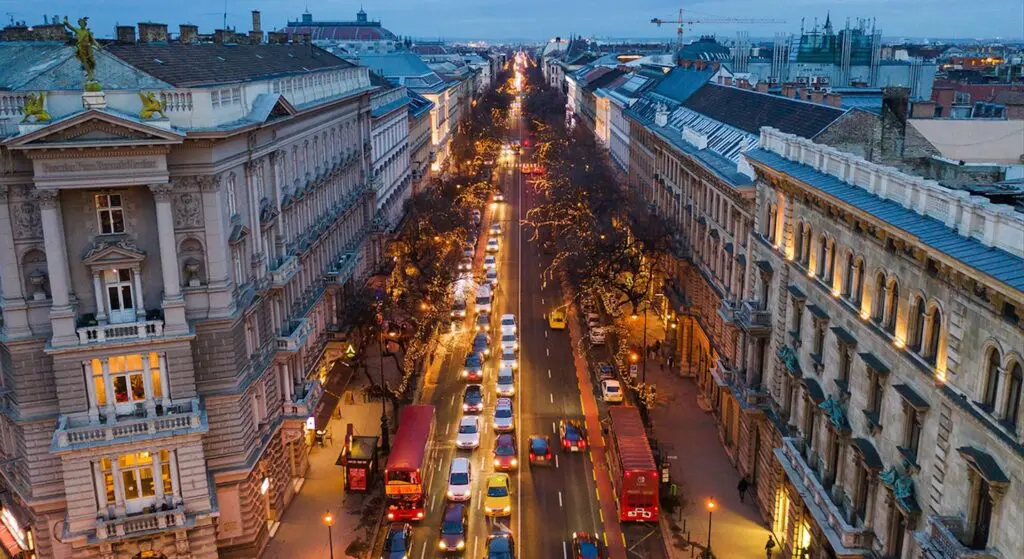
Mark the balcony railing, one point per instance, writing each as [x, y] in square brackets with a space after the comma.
[284, 271]
[829, 516]
[305, 402]
[296, 336]
[178, 418]
[727, 310]
[752, 318]
[140, 524]
[139, 330]
[939, 540]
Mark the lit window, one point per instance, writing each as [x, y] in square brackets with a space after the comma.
[110, 212]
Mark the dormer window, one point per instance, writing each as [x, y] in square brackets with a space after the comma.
[110, 213]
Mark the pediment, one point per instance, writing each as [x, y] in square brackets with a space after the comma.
[97, 128]
[107, 253]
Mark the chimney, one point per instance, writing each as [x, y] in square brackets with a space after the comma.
[686, 63]
[125, 34]
[895, 101]
[743, 83]
[50, 32]
[223, 36]
[922, 109]
[188, 34]
[152, 32]
[699, 65]
[789, 90]
[256, 21]
[726, 80]
[762, 86]
[817, 96]
[277, 38]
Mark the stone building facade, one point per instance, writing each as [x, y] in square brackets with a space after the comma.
[893, 359]
[169, 282]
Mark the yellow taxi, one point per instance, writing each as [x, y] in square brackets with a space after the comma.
[498, 500]
[556, 319]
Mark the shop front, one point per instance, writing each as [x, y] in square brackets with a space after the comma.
[16, 539]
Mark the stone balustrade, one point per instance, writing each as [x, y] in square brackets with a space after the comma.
[940, 539]
[138, 330]
[181, 417]
[138, 524]
[294, 340]
[304, 405]
[281, 274]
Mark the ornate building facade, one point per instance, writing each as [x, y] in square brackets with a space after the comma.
[168, 285]
[893, 358]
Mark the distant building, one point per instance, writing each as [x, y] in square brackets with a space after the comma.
[358, 37]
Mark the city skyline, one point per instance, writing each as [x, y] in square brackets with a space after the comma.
[499, 20]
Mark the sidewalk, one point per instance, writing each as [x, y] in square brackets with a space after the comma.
[700, 466]
[302, 534]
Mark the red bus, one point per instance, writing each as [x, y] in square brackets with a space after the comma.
[631, 464]
[403, 476]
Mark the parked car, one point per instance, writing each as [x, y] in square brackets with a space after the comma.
[597, 335]
[611, 391]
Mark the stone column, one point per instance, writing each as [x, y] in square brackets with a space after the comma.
[15, 306]
[140, 303]
[165, 389]
[147, 384]
[286, 382]
[101, 306]
[158, 480]
[115, 470]
[90, 391]
[108, 387]
[173, 304]
[217, 256]
[101, 487]
[175, 489]
[62, 315]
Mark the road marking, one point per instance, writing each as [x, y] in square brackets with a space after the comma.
[601, 512]
[565, 549]
[559, 499]
[549, 373]
[552, 398]
[553, 431]
[556, 460]
[453, 400]
[542, 300]
[433, 504]
[476, 542]
[545, 333]
[447, 429]
[547, 352]
[424, 552]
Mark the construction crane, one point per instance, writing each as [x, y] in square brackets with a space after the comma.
[680, 21]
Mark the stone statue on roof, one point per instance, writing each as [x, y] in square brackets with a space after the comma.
[86, 41]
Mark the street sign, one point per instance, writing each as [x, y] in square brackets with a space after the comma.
[350, 351]
[633, 368]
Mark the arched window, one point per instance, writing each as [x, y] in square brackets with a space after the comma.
[991, 380]
[858, 281]
[799, 248]
[848, 277]
[822, 249]
[878, 309]
[915, 327]
[830, 265]
[931, 351]
[773, 220]
[893, 308]
[805, 257]
[1011, 414]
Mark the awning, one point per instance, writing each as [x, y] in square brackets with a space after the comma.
[844, 336]
[868, 454]
[983, 463]
[797, 293]
[874, 363]
[818, 312]
[8, 542]
[728, 248]
[911, 397]
[814, 391]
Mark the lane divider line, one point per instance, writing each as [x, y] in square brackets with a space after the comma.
[552, 398]
[560, 499]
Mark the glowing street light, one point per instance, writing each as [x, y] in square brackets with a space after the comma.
[329, 521]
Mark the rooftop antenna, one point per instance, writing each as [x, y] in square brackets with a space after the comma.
[224, 22]
[11, 16]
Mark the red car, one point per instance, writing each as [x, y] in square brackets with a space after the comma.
[586, 546]
[505, 452]
[572, 434]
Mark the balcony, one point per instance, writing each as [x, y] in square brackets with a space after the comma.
[306, 400]
[753, 319]
[939, 540]
[844, 538]
[727, 311]
[178, 419]
[140, 524]
[284, 271]
[125, 331]
[292, 339]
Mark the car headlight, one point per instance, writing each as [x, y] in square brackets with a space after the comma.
[442, 545]
[496, 463]
[515, 462]
[465, 407]
[451, 495]
[460, 545]
[465, 373]
[506, 509]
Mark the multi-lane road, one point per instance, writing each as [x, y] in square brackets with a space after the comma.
[548, 503]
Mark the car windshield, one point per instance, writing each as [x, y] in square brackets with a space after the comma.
[472, 361]
[467, 429]
[612, 388]
[508, 322]
[473, 391]
[588, 550]
[508, 338]
[497, 491]
[503, 413]
[539, 446]
[504, 379]
[395, 543]
[505, 450]
[459, 478]
[571, 432]
[483, 300]
[499, 548]
[451, 527]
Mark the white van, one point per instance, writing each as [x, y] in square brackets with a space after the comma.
[483, 298]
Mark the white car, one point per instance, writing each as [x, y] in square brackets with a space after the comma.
[503, 419]
[508, 323]
[508, 359]
[597, 336]
[611, 391]
[460, 480]
[459, 308]
[490, 261]
[469, 432]
[495, 229]
[491, 277]
[506, 382]
[593, 321]
[492, 244]
[499, 197]
[509, 341]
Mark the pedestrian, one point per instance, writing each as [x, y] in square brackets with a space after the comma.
[742, 487]
[769, 547]
[671, 358]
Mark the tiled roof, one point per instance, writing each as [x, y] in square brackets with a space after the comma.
[679, 84]
[209, 64]
[418, 104]
[994, 262]
[604, 79]
[51, 66]
[406, 69]
[750, 110]
[341, 31]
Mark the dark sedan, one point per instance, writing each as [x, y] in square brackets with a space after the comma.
[397, 542]
[473, 368]
[482, 344]
[540, 450]
[473, 399]
[572, 435]
[452, 537]
[505, 452]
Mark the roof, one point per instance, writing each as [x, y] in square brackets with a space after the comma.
[679, 84]
[418, 104]
[339, 31]
[52, 66]
[630, 438]
[183, 65]
[974, 140]
[705, 48]
[380, 81]
[407, 69]
[429, 49]
[410, 444]
[604, 79]
[750, 110]
[994, 262]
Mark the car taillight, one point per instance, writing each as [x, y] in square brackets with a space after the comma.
[565, 443]
[532, 456]
[548, 456]
[583, 443]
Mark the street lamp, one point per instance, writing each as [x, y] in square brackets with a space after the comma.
[329, 521]
[711, 507]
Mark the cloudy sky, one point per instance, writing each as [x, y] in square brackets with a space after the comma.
[539, 19]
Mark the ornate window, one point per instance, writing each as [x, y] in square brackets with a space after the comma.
[230, 193]
[934, 331]
[991, 380]
[893, 307]
[1011, 415]
[123, 384]
[805, 256]
[143, 478]
[848, 278]
[878, 304]
[110, 212]
[819, 266]
[915, 326]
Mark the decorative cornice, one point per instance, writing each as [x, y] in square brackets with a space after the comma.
[48, 199]
[162, 192]
[97, 151]
[209, 183]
